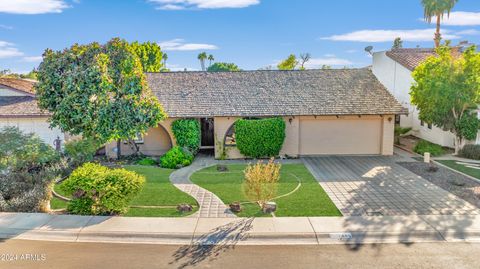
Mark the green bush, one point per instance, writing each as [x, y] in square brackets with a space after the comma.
[99, 190]
[399, 132]
[28, 168]
[147, 161]
[176, 157]
[260, 137]
[470, 152]
[187, 134]
[81, 150]
[423, 146]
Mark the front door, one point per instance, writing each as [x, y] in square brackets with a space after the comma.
[208, 140]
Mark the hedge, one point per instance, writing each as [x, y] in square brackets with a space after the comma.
[187, 134]
[470, 152]
[423, 146]
[260, 137]
[176, 157]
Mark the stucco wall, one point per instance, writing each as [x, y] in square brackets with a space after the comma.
[156, 142]
[359, 133]
[398, 80]
[39, 126]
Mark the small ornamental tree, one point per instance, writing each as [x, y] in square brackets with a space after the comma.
[98, 91]
[288, 64]
[260, 185]
[447, 91]
[261, 137]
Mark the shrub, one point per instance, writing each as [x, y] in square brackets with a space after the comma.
[261, 137]
[147, 161]
[470, 152]
[28, 168]
[81, 150]
[99, 190]
[423, 146]
[176, 157]
[187, 134]
[261, 180]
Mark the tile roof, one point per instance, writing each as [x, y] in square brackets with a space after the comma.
[272, 92]
[23, 85]
[410, 57]
[20, 106]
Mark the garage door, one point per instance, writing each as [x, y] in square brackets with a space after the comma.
[340, 136]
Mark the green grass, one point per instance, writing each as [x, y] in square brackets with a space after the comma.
[157, 191]
[309, 200]
[460, 167]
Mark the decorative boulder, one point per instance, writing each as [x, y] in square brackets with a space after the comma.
[184, 208]
[222, 168]
[269, 207]
[432, 168]
[235, 207]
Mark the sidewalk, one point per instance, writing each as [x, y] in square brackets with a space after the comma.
[242, 231]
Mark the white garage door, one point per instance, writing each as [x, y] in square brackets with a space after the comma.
[340, 136]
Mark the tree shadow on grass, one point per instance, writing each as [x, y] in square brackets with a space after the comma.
[209, 246]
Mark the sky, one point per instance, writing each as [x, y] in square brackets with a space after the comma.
[250, 33]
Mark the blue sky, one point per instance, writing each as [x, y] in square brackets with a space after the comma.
[250, 33]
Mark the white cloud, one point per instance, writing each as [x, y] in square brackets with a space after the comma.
[390, 35]
[180, 45]
[32, 6]
[8, 50]
[6, 27]
[203, 4]
[460, 18]
[468, 32]
[32, 59]
[332, 61]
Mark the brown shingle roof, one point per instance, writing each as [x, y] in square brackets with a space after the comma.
[20, 106]
[19, 84]
[410, 57]
[269, 93]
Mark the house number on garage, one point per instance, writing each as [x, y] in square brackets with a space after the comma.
[341, 236]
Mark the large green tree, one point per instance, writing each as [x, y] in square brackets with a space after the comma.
[437, 8]
[223, 67]
[150, 55]
[98, 91]
[446, 92]
[288, 64]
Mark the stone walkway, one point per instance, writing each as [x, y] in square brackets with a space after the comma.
[377, 185]
[210, 205]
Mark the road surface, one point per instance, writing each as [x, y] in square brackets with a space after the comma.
[44, 254]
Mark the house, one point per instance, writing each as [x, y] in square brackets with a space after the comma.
[18, 107]
[394, 69]
[327, 112]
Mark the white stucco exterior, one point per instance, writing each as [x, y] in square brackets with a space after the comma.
[398, 80]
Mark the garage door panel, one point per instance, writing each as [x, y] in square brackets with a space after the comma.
[340, 136]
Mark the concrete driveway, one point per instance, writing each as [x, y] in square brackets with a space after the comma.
[376, 185]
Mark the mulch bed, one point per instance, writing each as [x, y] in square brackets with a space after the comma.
[455, 183]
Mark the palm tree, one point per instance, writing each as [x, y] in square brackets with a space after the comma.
[165, 58]
[211, 59]
[202, 57]
[437, 8]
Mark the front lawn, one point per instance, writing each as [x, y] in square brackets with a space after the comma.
[462, 168]
[158, 198]
[309, 200]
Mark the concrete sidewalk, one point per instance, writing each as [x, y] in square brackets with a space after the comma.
[243, 231]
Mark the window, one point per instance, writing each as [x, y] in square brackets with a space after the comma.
[422, 123]
[429, 126]
[230, 136]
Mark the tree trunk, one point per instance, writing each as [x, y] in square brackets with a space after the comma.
[438, 36]
[119, 150]
[134, 146]
[458, 144]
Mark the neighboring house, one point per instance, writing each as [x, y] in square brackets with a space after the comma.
[18, 107]
[394, 70]
[327, 112]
